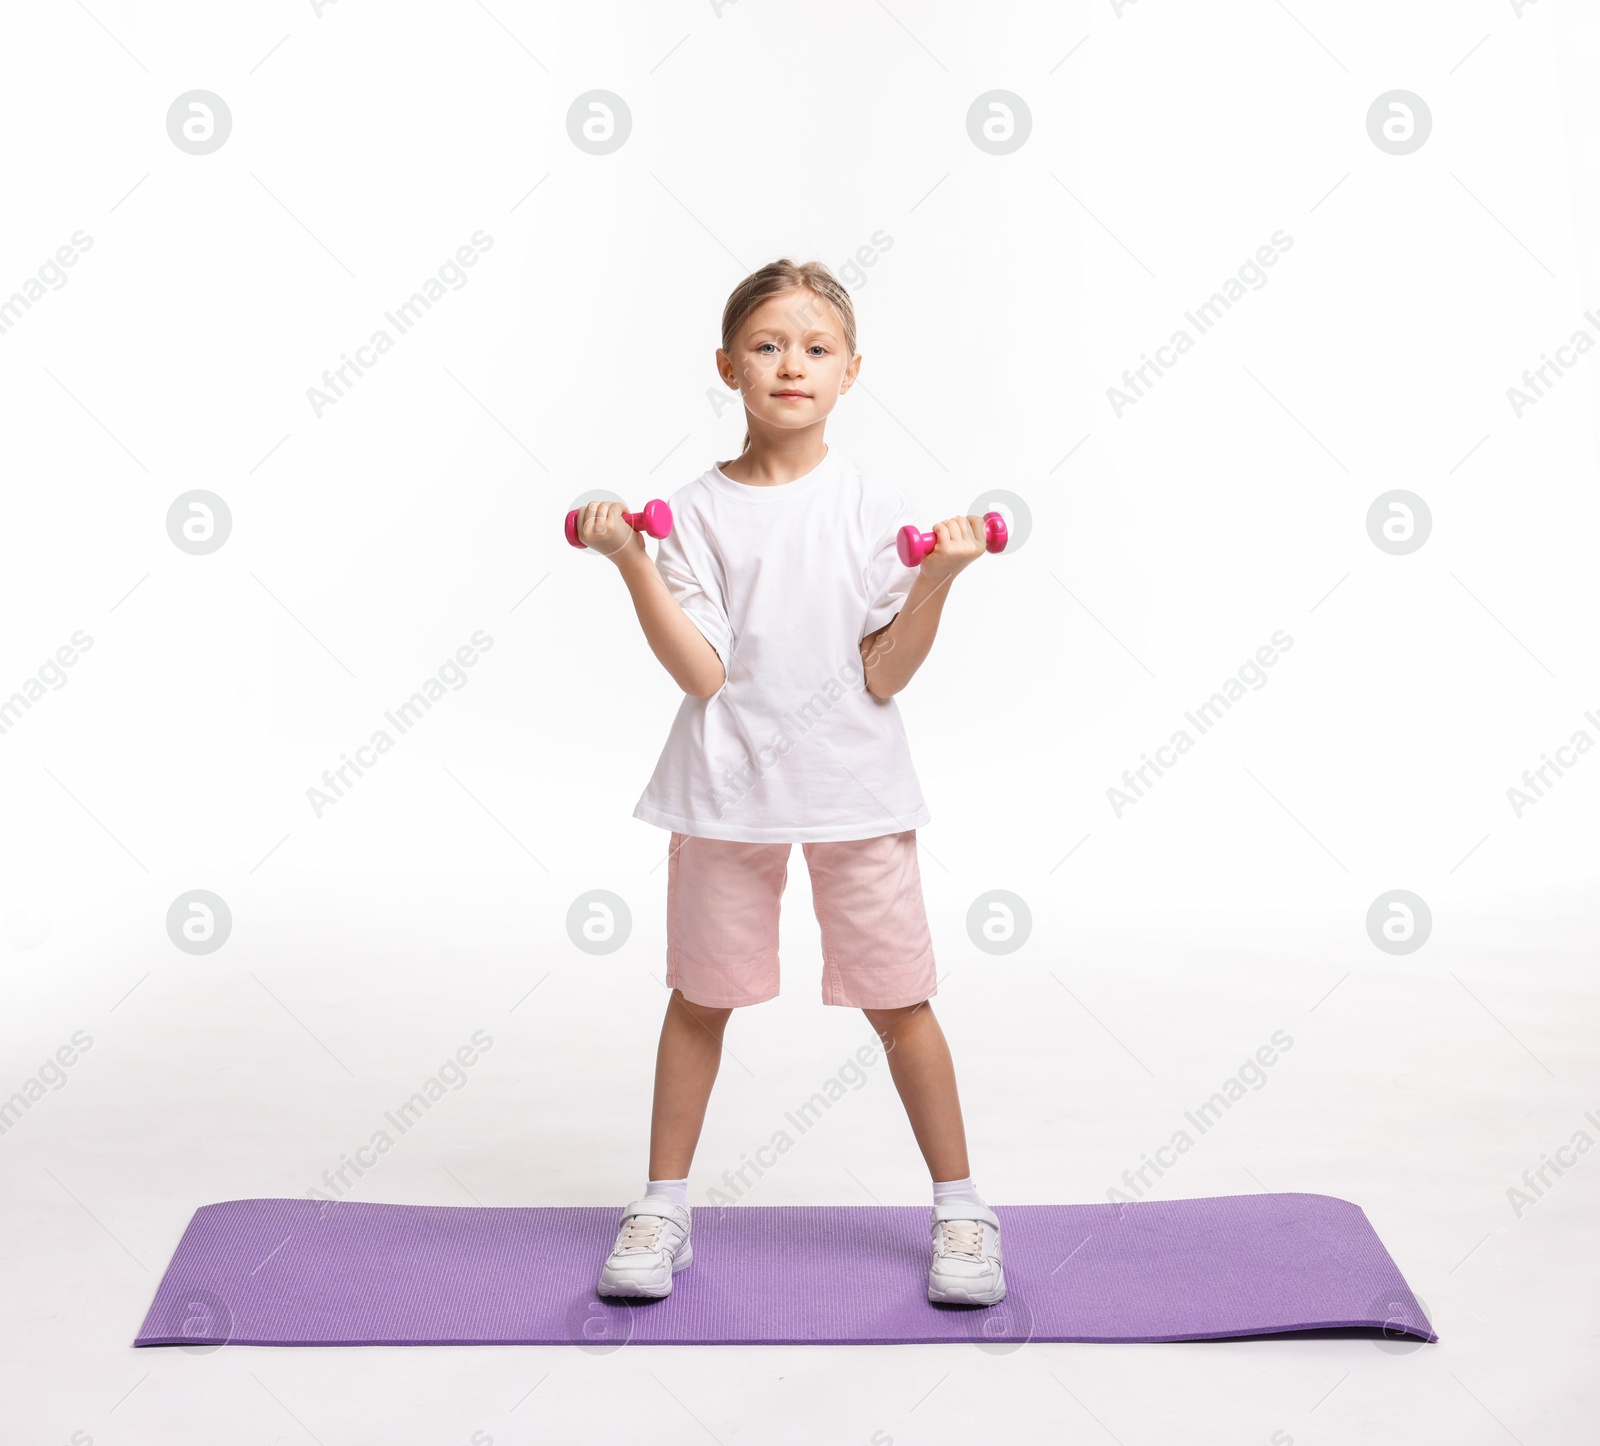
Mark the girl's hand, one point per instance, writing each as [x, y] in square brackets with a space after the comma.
[601, 527]
[959, 542]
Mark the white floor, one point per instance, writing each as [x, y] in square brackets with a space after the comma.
[1416, 1088]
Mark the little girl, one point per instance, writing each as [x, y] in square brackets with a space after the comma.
[779, 605]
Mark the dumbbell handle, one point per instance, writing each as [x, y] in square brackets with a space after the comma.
[655, 518]
[915, 544]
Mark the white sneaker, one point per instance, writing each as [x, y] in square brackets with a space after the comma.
[652, 1245]
[966, 1267]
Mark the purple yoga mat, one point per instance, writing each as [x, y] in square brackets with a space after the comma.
[304, 1272]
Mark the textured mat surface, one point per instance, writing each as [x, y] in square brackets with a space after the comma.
[303, 1272]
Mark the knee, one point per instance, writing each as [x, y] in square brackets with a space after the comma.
[706, 1013]
[887, 1021]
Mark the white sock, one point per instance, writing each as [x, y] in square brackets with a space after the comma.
[965, 1191]
[676, 1191]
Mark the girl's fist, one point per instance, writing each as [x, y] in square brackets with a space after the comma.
[601, 527]
[958, 542]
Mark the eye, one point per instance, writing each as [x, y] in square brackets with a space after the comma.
[819, 346]
[764, 345]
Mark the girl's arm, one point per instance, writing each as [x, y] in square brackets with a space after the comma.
[682, 649]
[891, 655]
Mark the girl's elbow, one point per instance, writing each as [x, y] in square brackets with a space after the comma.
[708, 684]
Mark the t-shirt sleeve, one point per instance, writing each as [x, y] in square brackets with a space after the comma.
[690, 578]
[888, 579]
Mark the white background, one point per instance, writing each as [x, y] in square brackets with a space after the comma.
[1167, 143]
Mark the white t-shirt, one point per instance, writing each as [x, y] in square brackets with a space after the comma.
[784, 582]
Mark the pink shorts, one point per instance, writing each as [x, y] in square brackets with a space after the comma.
[722, 920]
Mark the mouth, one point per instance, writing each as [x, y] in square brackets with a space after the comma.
[793, 396]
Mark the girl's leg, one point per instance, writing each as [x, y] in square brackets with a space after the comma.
[687, 1057]
[925, 1076]
[966, 1265]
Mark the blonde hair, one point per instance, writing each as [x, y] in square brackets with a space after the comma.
[777, 278]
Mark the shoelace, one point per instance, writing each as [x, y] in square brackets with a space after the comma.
[641, 1232]
[963, 1237]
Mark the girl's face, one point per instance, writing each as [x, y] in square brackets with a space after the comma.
[789, 360]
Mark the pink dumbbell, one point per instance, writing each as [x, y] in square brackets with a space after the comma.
[916, 545]
[656, 519]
